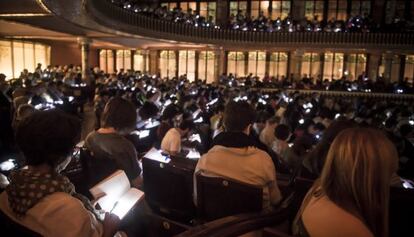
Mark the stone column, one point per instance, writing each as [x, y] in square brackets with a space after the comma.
[298, 10]
[388, 66]
[145, 55]
[222, 11]
[373, 65]
[296, 64]
[153, 62]
[84, 44]
[219, 63]
[378, 12]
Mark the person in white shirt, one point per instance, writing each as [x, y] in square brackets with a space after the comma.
[171, 143]
[267, 136]
[235, 156]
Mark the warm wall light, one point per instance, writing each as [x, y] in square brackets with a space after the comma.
[43, 6]
[24, 14]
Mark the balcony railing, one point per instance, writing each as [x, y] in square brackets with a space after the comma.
[124, 20]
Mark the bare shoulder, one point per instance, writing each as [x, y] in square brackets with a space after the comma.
[323, 218]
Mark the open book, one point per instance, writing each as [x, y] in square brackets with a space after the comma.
[118, 197]
[157, 155]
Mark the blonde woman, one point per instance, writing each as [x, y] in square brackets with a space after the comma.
[351, 196]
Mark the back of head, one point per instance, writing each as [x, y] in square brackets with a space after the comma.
[317, 156]
[282, 132]
[273, 120]
[357, 174]
[238, 116]
[119, 114]
[24, 111]
[47, 137]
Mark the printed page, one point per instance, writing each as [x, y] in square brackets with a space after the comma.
[114, 187]
[127, 201]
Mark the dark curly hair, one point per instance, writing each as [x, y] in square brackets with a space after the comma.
[238, 115]
[48, 137]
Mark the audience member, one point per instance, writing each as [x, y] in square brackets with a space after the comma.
[171, 143]
[118, 119]
[41, 199]
[267, 136]
[351, 196]
[235, 156]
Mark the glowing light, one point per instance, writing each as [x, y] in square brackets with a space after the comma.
[24, 14]
[8, 165]
[199, 120]
[195, 137]
[144, 134]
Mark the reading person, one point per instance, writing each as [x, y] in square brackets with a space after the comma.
[171, 143]
[118, 118]
[235, 156]
[41, 199]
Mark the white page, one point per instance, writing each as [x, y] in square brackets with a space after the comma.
[193, 154]
[155, 154]
[127, 201]
[113, 187]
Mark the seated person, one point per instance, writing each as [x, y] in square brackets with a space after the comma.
[171, 143]
[23, 111]
[280, 146]
[313, 162]
[118, 119]
[267, 136]
[41, 199]
[351, 197]
[235, 156]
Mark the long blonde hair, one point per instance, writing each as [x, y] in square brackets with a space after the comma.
[357, 174]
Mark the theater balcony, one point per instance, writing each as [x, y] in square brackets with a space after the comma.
[124, 20]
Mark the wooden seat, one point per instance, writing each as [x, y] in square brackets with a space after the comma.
[401, 211]
[12, 228]
[85, 170]
[160, 226]
[168, 187]
[274, 232]
[220, 197]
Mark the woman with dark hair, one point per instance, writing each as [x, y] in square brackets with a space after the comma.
[41, 199]
[108, 143]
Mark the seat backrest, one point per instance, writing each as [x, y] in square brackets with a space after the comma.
[219, 197]
[301, 187]
[12, 228]
[401, 211]
[163, 227]
[97, 168]
[168, 188]
[85, 170]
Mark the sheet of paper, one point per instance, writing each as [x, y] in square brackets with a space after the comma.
[193, 154]
[127, 201]
[113, 187]
[155, 154]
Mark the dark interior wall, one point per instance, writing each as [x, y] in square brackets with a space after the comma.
[64, 53]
